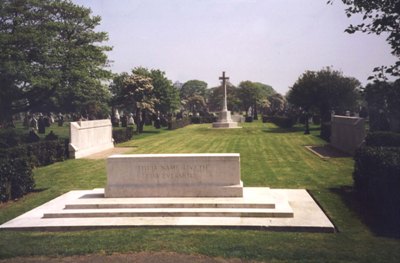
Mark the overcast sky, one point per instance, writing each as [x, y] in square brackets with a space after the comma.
[269, 41]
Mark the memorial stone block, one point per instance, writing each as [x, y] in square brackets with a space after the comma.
[347, 133]
[174, 175]
[89, 137]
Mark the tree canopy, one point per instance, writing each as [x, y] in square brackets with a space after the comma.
[51, 57]
[166, 94]
[383, 100]
[215, 97]
[378, 17]
[254, 94]
[136, 93]
[324, 91]
[193, 94]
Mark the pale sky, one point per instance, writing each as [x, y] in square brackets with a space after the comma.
[268, 41]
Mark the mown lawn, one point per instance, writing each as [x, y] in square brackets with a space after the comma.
[269, 157]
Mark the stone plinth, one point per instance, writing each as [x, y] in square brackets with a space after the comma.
[347, 133]
[174, 175]
[225, 121]
[89, 137]
[238, 118]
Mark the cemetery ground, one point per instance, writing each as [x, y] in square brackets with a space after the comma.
[270, 157]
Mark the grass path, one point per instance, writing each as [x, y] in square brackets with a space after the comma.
[269, 157]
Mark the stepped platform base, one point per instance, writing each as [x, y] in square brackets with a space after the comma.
[225, 125]
[259, 208]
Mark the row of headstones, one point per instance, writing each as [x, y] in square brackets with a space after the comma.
[40, 122]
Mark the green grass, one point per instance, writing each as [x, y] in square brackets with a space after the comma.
[269, 157]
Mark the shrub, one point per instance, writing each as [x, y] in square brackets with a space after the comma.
[179, 123]
[39, 153]
[377, 180]
[51, 136]
[249, 119]
[16, 178]
[203, 119]
[265, 119]
[32, 137]
[47, 152]
[195, 119]
[326, 131]
[209, 119]
[9, 138]
[383, 139]
[280, 121]
[122, 135]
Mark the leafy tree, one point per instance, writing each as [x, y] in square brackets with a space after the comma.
[216, 95]
[253, 94]
[166, 94]
[193, 94]
[323, 91]
[383, 100]
[50, 57]
[378, 17]
[276, 104]
[136, 92]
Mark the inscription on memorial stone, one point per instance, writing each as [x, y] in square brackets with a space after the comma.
[171, 171]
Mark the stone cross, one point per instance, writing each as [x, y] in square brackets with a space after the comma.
[223, 78]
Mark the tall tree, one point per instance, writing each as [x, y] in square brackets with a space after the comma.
[324, 91]
[215, 97]
[253, 94]
[277, 104]
[383, 100]
[193, 94]
[50, 58]
[136, 92]
[379, 17]
[165, 92]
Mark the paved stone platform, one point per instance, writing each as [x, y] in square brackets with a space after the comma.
[259, 208]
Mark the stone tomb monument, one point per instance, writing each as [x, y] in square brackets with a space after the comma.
[89, 137]
[347, 133]
[224, 117]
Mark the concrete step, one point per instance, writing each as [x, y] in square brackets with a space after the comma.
[307, 216]
[100, 204]
[282, 212]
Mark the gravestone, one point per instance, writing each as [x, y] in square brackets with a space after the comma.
[224, 117]
[41, 124]
[89, 137]
[131, 121]
[124, 121]
[34, 123]
[60, 120]
[174, 175]
[347, 133]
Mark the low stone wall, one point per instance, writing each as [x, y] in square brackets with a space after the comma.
[174, 175]
[347, 133]
[89, 137]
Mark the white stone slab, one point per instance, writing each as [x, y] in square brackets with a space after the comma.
[174, 175]
[307, 216]
[90, 137]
